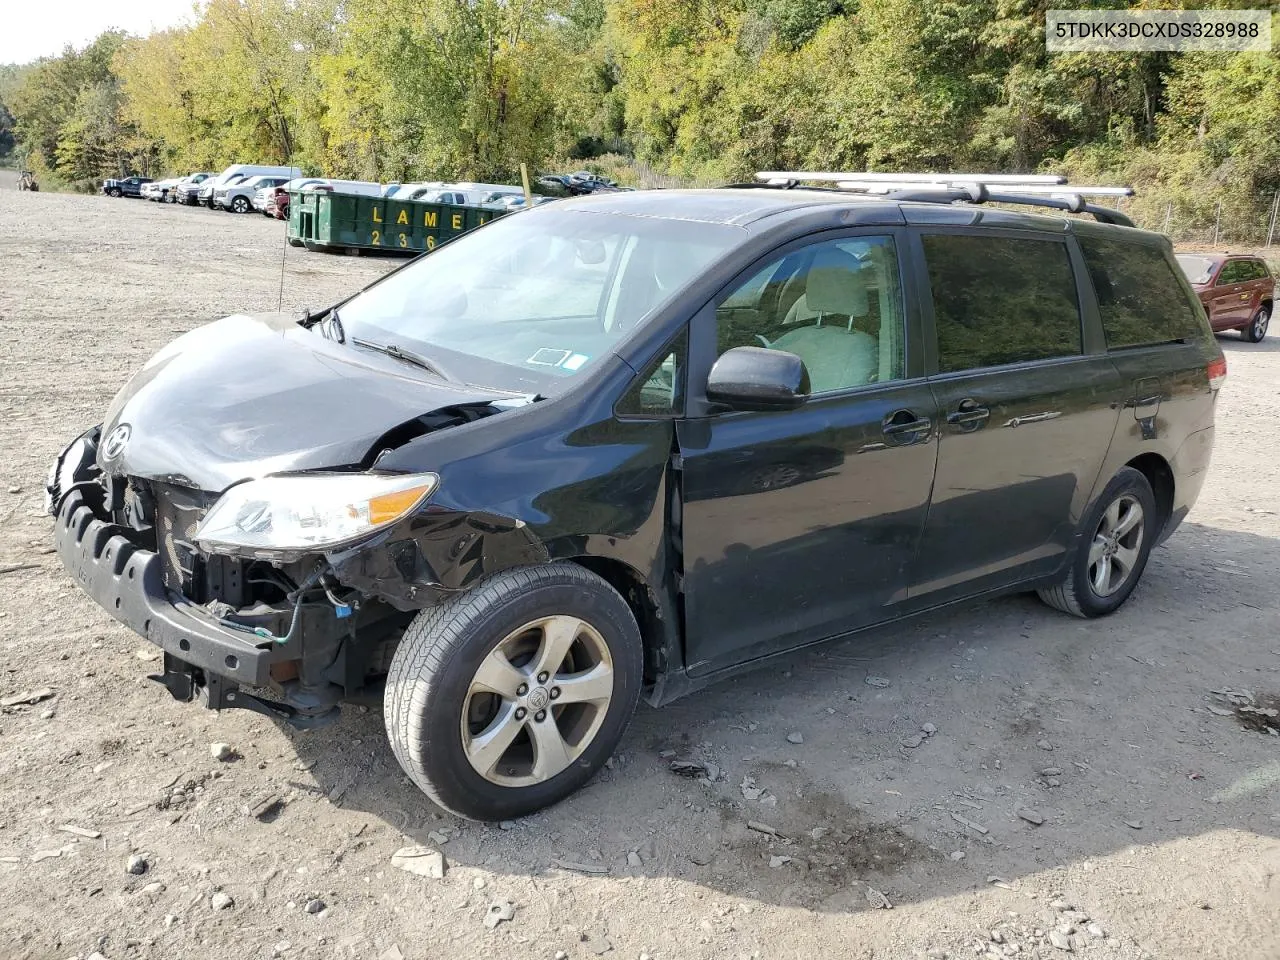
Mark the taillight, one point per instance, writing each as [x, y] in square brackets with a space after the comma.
[1217, 371]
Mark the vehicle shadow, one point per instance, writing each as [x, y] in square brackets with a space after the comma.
[1235, 342]
[919, 742]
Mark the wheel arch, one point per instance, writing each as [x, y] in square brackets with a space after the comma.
[658, 628]
[1160, 475]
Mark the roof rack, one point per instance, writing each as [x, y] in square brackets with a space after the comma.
[1022, 179]
[1037, 190]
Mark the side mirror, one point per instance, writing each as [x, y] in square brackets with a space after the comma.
[753, 378]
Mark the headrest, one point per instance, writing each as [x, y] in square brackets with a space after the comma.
[835, 285]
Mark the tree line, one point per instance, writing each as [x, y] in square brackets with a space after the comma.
[700, 90]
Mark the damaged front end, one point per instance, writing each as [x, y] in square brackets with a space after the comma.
[221, 512]
[248, 617]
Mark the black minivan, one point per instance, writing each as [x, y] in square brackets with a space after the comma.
[626, 445]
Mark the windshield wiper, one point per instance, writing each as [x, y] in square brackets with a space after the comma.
[408, 356]
[335, 325]
[328, 316]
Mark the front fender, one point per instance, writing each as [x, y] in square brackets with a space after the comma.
[427, 557]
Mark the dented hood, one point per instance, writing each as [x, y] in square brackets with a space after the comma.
[249, 396]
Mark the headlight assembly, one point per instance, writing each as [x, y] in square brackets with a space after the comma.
[299, 514]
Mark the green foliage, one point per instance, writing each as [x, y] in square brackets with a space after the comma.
[10, 77]
[695, 90]
[68, 116]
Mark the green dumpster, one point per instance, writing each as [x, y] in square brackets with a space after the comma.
[339, 222]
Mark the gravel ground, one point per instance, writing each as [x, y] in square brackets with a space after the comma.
[1160, 812]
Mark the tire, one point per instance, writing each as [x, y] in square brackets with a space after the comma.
[240, 205]
[1258, 328]
[115, 192]
[1079, 593]
[506, 617]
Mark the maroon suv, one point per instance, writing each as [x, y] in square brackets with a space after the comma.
[1237, 291]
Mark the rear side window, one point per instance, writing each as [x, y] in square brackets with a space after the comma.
[1139, 296]
[999, 300]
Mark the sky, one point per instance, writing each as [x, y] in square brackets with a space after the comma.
[39, 28]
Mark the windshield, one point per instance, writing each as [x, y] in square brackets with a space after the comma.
[532, 300]
[1197, 269]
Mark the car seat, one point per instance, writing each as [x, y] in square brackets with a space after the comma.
[822, 320]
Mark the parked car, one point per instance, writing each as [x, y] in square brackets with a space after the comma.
[359, 188]
[510, 202]
[277, 204]
[584, 182]
[630, 444]
[237, 173]
[158, 190]
[128, 187]
[205, 195]
[1237, 290]
[237, 197]
[261, 196]
[187, 190]
[411, 191]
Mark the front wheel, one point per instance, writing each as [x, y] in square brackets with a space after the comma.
[240, 205]
[115, 192]
[1112, 550]
[1258, 328]
[508, 697]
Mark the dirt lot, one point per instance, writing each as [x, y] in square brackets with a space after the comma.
[1160, 821]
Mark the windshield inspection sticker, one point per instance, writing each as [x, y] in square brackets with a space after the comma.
[548, 357]
[575, 361]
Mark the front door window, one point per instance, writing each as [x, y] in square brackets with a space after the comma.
[837, 305]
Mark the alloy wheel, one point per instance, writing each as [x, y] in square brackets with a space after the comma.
[1260, 324]
[1117, 545]
[537, 701]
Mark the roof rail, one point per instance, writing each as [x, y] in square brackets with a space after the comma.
[1036, 190]
[1032, 189]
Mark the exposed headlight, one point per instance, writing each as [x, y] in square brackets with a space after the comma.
[305, 513]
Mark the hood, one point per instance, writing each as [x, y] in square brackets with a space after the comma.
[249, 396]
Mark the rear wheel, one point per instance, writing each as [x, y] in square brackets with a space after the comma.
[1112, 550]
[1258, 328]
[508, 697]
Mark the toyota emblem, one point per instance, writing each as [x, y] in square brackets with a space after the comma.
[115, 442]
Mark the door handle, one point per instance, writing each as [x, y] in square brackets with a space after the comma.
[901, 428]
[969, 412]
[1035, 418]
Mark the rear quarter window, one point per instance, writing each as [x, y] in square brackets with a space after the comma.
[1140, 298]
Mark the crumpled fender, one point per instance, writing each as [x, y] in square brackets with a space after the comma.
[422, 559]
